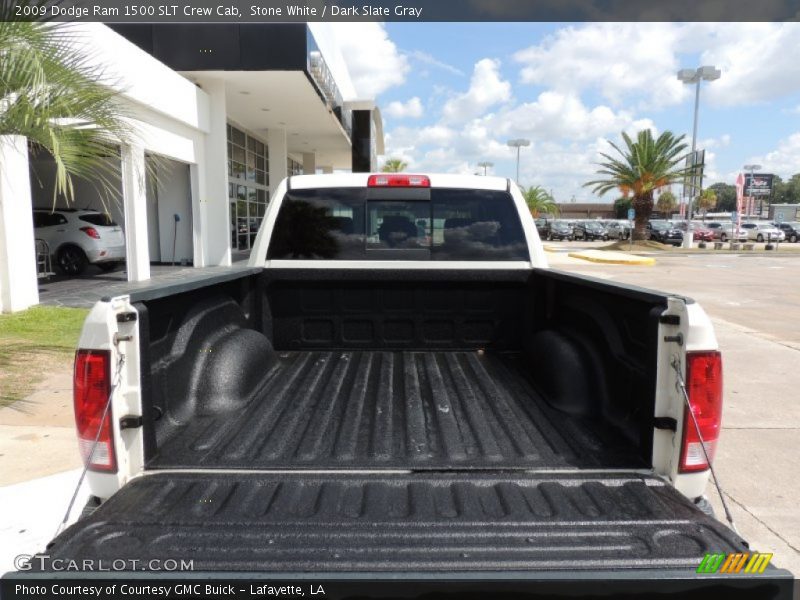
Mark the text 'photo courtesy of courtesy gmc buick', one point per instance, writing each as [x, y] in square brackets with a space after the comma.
[397, 386]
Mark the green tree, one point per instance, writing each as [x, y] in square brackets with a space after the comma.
[792, 193]
[66, 107]
[394, 165]
[726, 196]
[621, 207]
[641, 168]
[706, 201]
[539, 201]
[667, 202]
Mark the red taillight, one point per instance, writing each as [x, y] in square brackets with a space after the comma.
[704, 387]
[393, 180]
[91, 387]
[91, 232]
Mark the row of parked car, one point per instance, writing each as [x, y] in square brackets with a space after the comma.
[666, 231]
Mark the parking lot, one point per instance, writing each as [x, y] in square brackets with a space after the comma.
[753, 300]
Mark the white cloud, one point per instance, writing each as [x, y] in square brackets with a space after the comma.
[640, 61]
[486, 89]
[618, 59]
[411, 109]
[758, 61]
[373, 59]
[562, 115]
[784, 160]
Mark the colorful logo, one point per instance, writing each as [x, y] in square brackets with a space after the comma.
[738, 562]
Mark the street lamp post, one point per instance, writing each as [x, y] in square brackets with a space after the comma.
[518, 143]
[695, 76]
[485, 165]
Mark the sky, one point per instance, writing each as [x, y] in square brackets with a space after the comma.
[452, 94]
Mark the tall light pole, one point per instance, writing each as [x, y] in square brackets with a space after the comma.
[485, 165]
[695, 76]
[518, 143]
[752, 169]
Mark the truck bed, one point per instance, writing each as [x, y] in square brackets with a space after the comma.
[409, 410]
[417, 522]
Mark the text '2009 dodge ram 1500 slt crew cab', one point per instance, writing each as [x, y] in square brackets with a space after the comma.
[398, 387]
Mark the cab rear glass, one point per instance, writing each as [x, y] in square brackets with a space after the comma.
[439, 224]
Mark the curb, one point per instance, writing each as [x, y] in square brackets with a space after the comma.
[618, 258]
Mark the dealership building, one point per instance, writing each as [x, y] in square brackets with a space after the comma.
[223, 114]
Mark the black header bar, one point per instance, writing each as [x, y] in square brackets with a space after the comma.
[282, 11]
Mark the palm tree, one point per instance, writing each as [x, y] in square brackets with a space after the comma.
[642, 167]
[667, 202]
[394, 165]
[59, 101]
[539, 201]
[706, 201]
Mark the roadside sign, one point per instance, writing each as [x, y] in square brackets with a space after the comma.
[758, 184]
[779, 217]
[734, 214]
[693, 174]
[631, 214]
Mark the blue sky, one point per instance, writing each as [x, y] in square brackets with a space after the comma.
[452, 94]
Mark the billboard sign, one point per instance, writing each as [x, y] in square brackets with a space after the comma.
[693, 176]
[758, 184]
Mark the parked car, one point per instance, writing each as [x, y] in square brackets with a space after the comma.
[791, 230]
[80, 237]
[559, 230]
[385, 432]
[763, 232]
[543, 227]
[723, 231]
[618, 230]
[700, 233]
[589, 230]
[664, 232]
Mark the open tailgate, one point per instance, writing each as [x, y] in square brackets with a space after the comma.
[404, 522]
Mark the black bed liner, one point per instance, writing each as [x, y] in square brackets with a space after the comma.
[410, 410]
[399, 522]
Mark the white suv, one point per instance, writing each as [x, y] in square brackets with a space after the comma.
[80, 237]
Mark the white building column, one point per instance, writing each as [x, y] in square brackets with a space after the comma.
[309, 163]
[19, 288]
[278, 162]
[210, 179]
[134, 201]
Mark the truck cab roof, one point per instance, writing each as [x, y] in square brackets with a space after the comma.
[437, 180]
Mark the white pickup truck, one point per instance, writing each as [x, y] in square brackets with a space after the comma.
[397, 386]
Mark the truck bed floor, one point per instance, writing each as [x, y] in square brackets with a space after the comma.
[410, 410]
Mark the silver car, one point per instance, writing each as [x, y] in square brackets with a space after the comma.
[724, 231]
[78, 238]
[763, 232]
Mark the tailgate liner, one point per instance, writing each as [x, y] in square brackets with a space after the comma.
[420, 522]
[408, 410]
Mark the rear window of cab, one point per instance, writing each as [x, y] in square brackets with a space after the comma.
[398, 224]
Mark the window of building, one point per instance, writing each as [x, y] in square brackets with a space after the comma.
[293, 167]
[248, 183]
